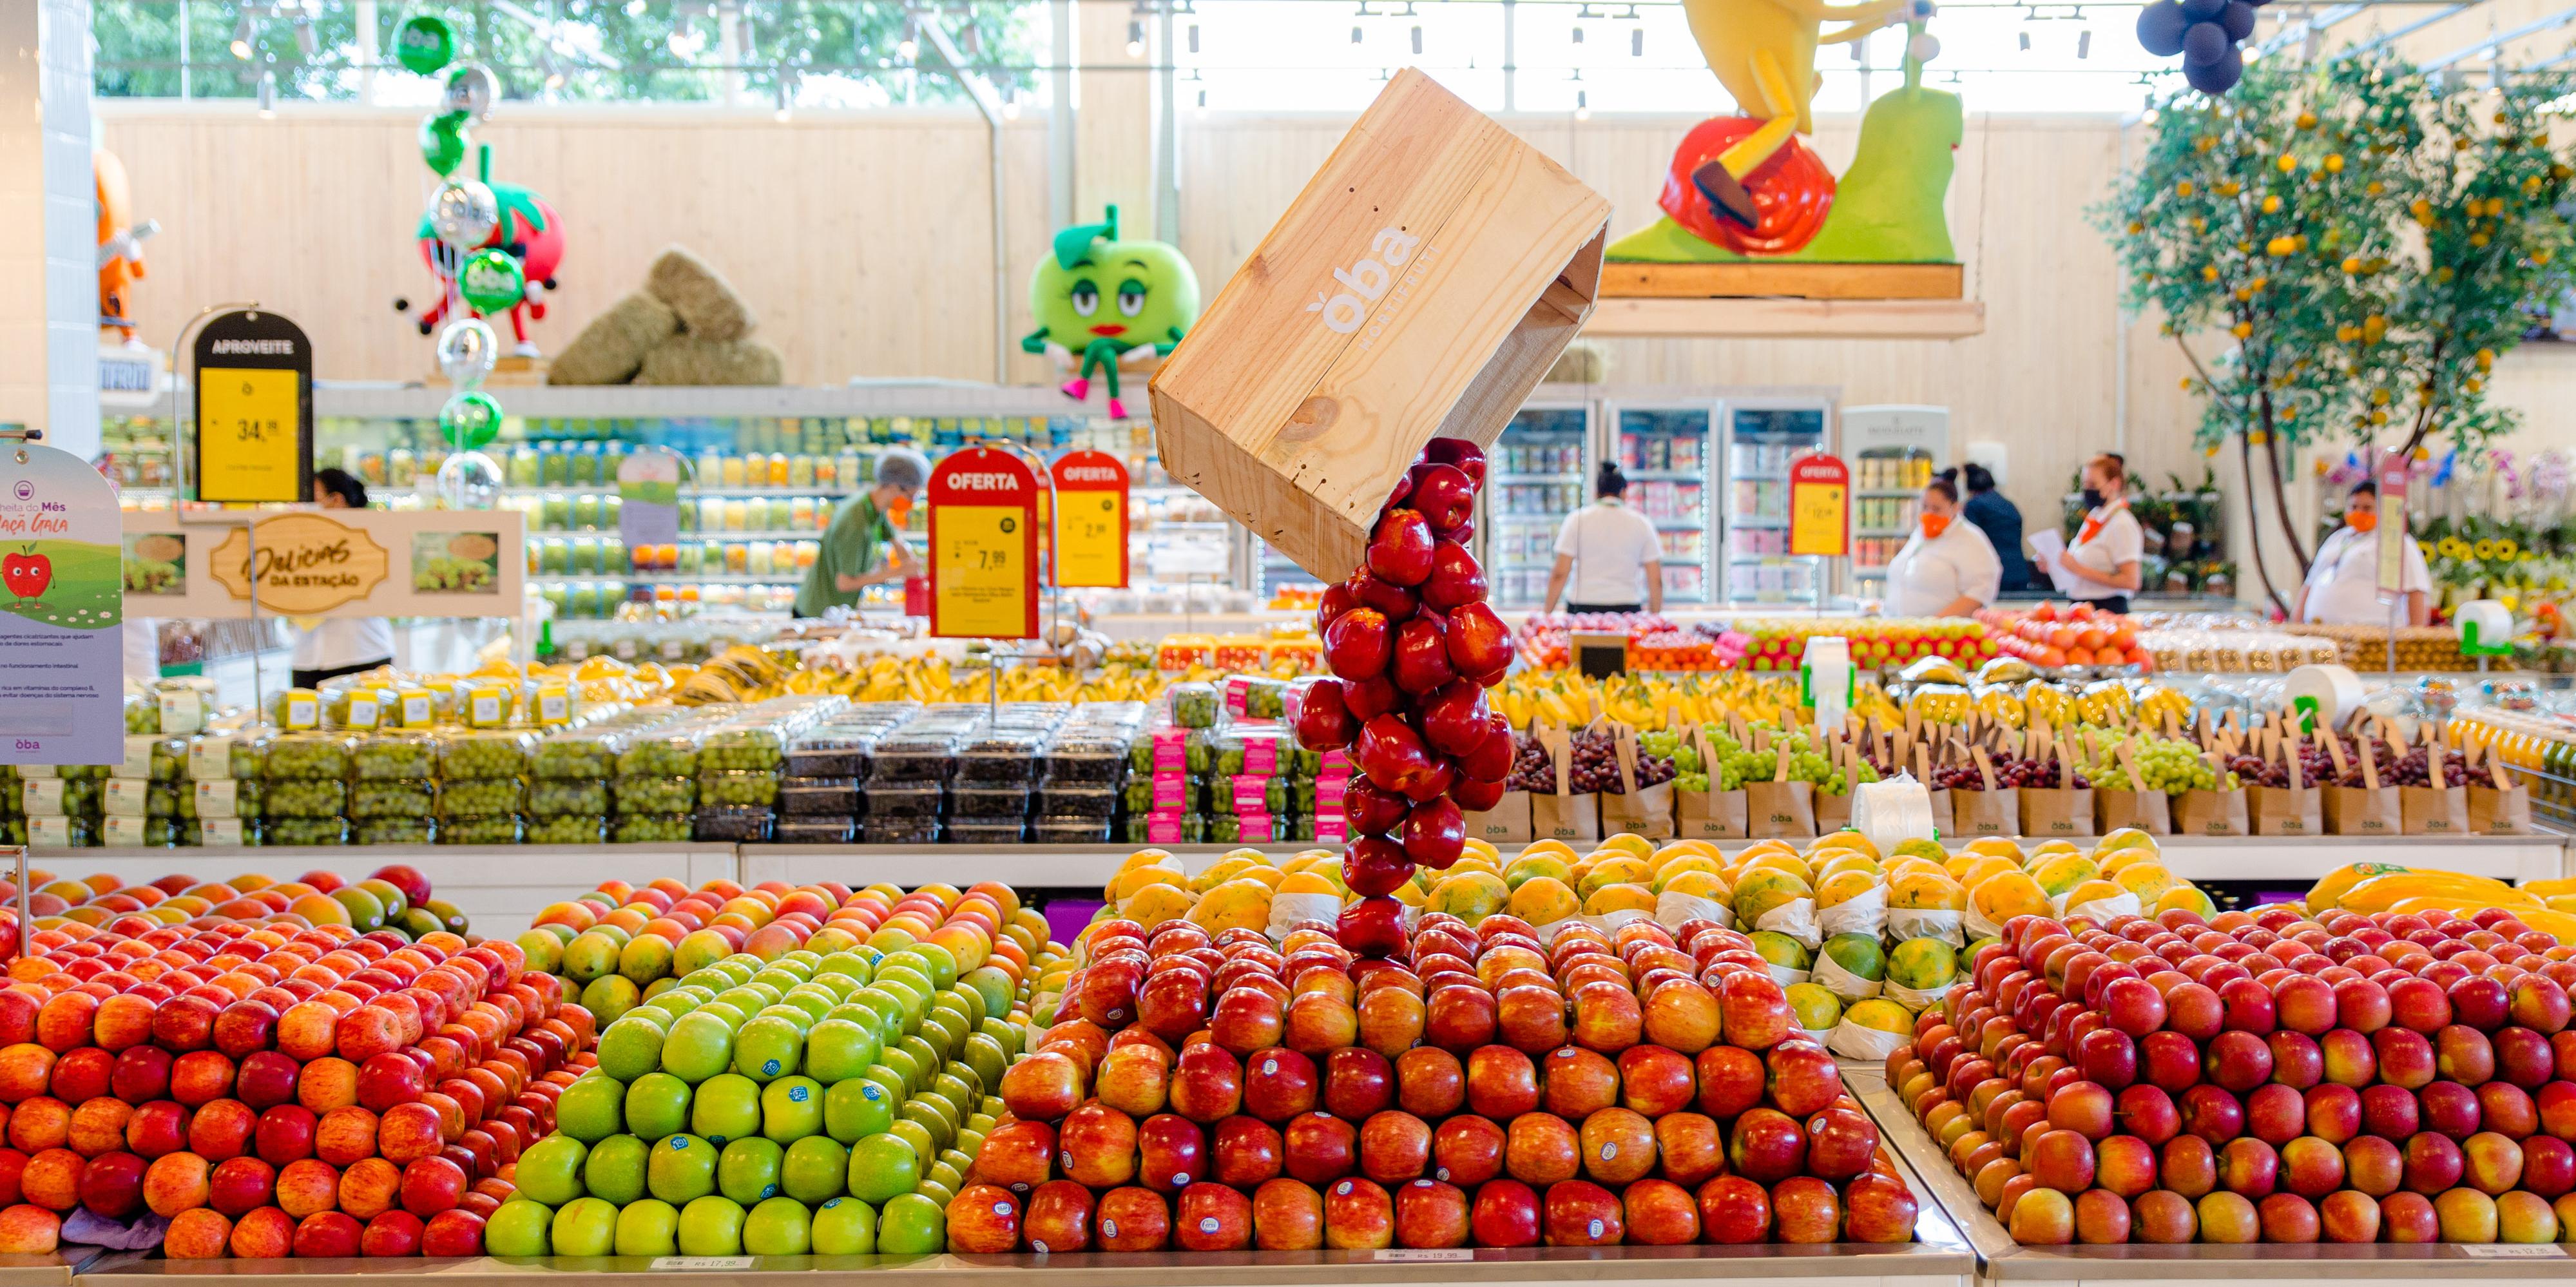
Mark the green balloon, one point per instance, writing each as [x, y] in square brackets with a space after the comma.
[469, 420]
[492, 280]
[442, 143]
[425, 43]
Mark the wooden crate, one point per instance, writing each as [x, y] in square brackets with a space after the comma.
[1419, 287]
[1794, 280]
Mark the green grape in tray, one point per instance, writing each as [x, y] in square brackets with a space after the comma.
[308, 756]
[556, 798]
[485, 754]
[142, 715]
[566, 831]
[1196, 757]
[413, 798]
[1195, 705]
[475, 797]
[161, 800]
[387, 756]
[652, 828]
[498, 829]
[656, 795]
[716, 788]
[574, 755]
[659, 757]
[741, 748]
[307, 831]
[396, 831]
[306, 798]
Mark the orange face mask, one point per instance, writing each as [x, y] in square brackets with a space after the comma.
[900, 511]
[2362, 520]
[1934, 525]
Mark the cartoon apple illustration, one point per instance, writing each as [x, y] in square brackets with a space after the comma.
[27, 573]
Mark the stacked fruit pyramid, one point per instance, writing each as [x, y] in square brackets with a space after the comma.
[2389, 1062]
[820, 1084]
[272, 1088]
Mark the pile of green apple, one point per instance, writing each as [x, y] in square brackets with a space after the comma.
[825, 1103]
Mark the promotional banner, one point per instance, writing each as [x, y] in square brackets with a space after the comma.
[62, 656]
[326, 563]
[983, 546]
[1819, 506]
[1090, 520]
[648, 494]
[254, 410]
[2393, 535]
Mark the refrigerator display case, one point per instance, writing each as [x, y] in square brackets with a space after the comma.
[1536, 473]
[1894, 452]
[1665, 453]
[1761, 437]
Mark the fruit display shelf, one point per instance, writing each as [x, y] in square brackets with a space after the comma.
[500, 888]
[2000, 1260]
[1942, 1257]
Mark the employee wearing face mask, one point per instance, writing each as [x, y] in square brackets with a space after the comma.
[1948, 568]
[2343, 584]
[864, 545]
[2104, 555]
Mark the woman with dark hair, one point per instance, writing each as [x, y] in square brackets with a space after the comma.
[1946, 568]
[1610, 552]
[338, 646]
[2107, 549]
[2000, 520]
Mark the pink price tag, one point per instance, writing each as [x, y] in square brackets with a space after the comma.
[1260, 754]
[1332, 829]
[1250, 795]
[1255, 829]
[1171, 750]
[1163, 828]
[1329, 793]
[1337, 764]
[1238, 694]
[1170, 792]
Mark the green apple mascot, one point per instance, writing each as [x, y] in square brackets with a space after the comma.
[1102, 303]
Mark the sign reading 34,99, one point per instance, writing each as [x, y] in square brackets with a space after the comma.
[983, 546]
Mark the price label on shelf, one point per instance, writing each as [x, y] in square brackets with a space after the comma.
[983, 546]
[1090, 520]
[254, 409]
[1819, 506]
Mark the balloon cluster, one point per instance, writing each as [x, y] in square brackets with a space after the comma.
[465, 217]
[1413, 646]
[2206, 33]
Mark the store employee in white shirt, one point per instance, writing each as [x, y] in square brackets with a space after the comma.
[2103, 557]
[1948, 568]
[2343, 583]
[1610, 552]
[341, 645]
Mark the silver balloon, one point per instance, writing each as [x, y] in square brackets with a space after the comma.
[469, 480]
[466, 351]
[464, 214]
[471, 89]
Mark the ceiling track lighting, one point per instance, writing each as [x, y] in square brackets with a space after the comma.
[268, 95]
[1417, 40]
[1637, 43]
[1135, 38]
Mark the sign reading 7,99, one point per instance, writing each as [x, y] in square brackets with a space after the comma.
[983, 546]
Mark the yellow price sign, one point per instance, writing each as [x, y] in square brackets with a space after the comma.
[983, 546]
[1819, 506]
[1090, 520]
[250, 434]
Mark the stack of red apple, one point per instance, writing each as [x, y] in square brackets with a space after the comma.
[2355, 1078]
[277, 1090]
[1474, 1087]
[1413, 646]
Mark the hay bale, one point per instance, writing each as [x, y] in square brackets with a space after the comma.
[612, 347]
[688, 360]
[707, 306]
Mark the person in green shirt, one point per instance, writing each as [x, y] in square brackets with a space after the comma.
[864, 546]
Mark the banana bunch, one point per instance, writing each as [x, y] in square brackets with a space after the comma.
[2155, 701]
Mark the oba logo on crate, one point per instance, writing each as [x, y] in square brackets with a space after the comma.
[1364, 281]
